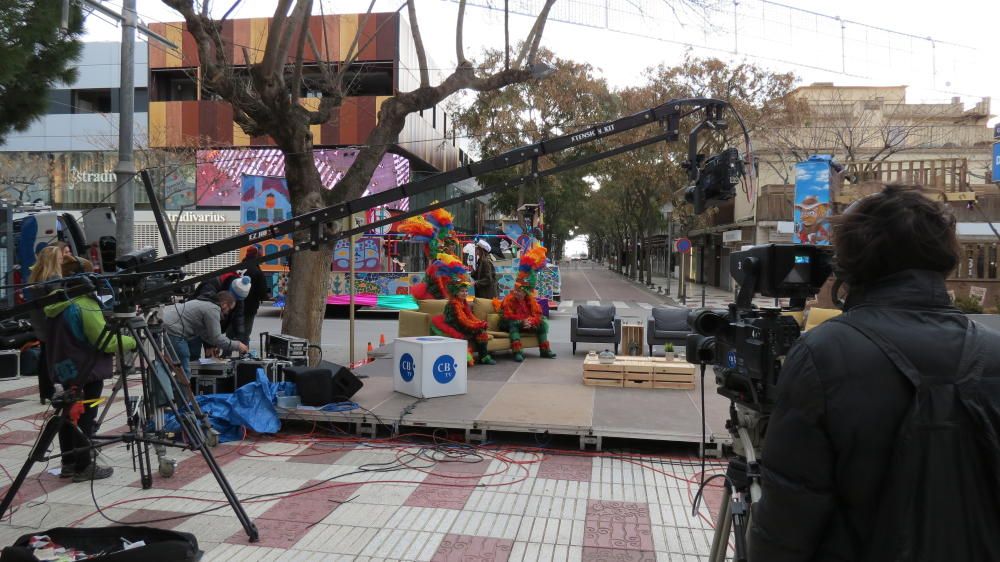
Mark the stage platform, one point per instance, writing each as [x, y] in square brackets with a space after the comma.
[536, 396]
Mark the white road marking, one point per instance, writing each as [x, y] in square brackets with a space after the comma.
[596, 294]
[593, 303]
[619, 304]
[645, 305]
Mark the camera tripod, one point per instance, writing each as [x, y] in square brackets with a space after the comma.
[742, 483]
[161, 393]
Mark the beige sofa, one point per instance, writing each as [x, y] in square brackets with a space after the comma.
[414, 323]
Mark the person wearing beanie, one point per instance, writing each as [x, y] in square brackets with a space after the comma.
[232, 325]
[520, 312]
[485, 275]
[258, 290]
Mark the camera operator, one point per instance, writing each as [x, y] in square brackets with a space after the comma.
[200, 319]
[850, 470]
[73, 330]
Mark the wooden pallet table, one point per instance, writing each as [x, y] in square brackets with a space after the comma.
[640, 372]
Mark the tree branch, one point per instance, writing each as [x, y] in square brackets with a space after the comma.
[418, 44]
[276, 37]
[459, 28]
[543, 17]
[303, 24]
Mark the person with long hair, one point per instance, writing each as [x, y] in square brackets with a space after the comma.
[80, 359]
[47, 268]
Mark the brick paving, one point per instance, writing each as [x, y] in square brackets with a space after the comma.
[331, 501]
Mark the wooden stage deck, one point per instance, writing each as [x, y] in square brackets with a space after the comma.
[536, 396]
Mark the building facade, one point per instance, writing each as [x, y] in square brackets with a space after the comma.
[876, 135]
[194, 150]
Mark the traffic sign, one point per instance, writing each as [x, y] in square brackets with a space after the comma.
[682, 245]
[996, 131]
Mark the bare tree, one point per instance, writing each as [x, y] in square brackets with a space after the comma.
[20, 174]
[163, 163]
[266, 102]
[859, 132]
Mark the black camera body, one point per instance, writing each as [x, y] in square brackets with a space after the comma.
[716, 180]
[746, 344]
[130, 288]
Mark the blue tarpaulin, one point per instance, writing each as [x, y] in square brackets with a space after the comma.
[251, 406]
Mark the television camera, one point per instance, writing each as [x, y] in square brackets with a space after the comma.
[747, 345]
[144, 290]
[715, 179]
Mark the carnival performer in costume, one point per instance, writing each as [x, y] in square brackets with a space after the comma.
[434, 229]
[519, 310]
[458, 321]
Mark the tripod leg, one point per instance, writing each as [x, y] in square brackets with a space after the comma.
[720, 540]
[224, 485]
[111, 399]
[188, 395]
[38, 452]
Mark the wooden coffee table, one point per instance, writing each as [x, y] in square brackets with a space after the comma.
[640, 372]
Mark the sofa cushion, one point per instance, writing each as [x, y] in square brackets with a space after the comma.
[596, 332]
[669, 334]
[670, 319]
[493, 322]
[413, 324]
[602, 317]
[482, 308]
[432, 307]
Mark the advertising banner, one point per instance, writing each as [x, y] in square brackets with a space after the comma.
[812, 201]
[219, 172]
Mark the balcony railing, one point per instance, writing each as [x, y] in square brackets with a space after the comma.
[949, 174]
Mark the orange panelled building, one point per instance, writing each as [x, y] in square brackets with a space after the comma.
[181, 114]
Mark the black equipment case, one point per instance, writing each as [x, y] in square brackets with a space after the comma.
[161, 545]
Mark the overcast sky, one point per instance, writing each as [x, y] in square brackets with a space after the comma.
[881, 42]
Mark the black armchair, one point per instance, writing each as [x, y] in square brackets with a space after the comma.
[667, 325]
[595, 324]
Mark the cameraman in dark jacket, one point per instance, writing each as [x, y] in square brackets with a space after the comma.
[841, 402]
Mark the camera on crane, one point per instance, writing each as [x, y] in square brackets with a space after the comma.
[747, 344]
[715, 179]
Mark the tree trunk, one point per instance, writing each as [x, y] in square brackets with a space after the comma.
[633, 259]
[309, 277]
[649, 267]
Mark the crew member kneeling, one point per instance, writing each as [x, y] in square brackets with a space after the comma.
[199, 319]
[882, 444]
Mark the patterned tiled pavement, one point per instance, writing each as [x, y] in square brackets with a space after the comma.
[314, 497]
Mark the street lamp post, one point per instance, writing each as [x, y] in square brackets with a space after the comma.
[668, 210]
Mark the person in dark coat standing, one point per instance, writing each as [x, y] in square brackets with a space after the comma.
[258, 291]
[841, 401]
[484, 275]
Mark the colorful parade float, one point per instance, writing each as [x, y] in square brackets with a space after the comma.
[390, 261]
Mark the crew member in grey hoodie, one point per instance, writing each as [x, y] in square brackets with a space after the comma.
[201, 319]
